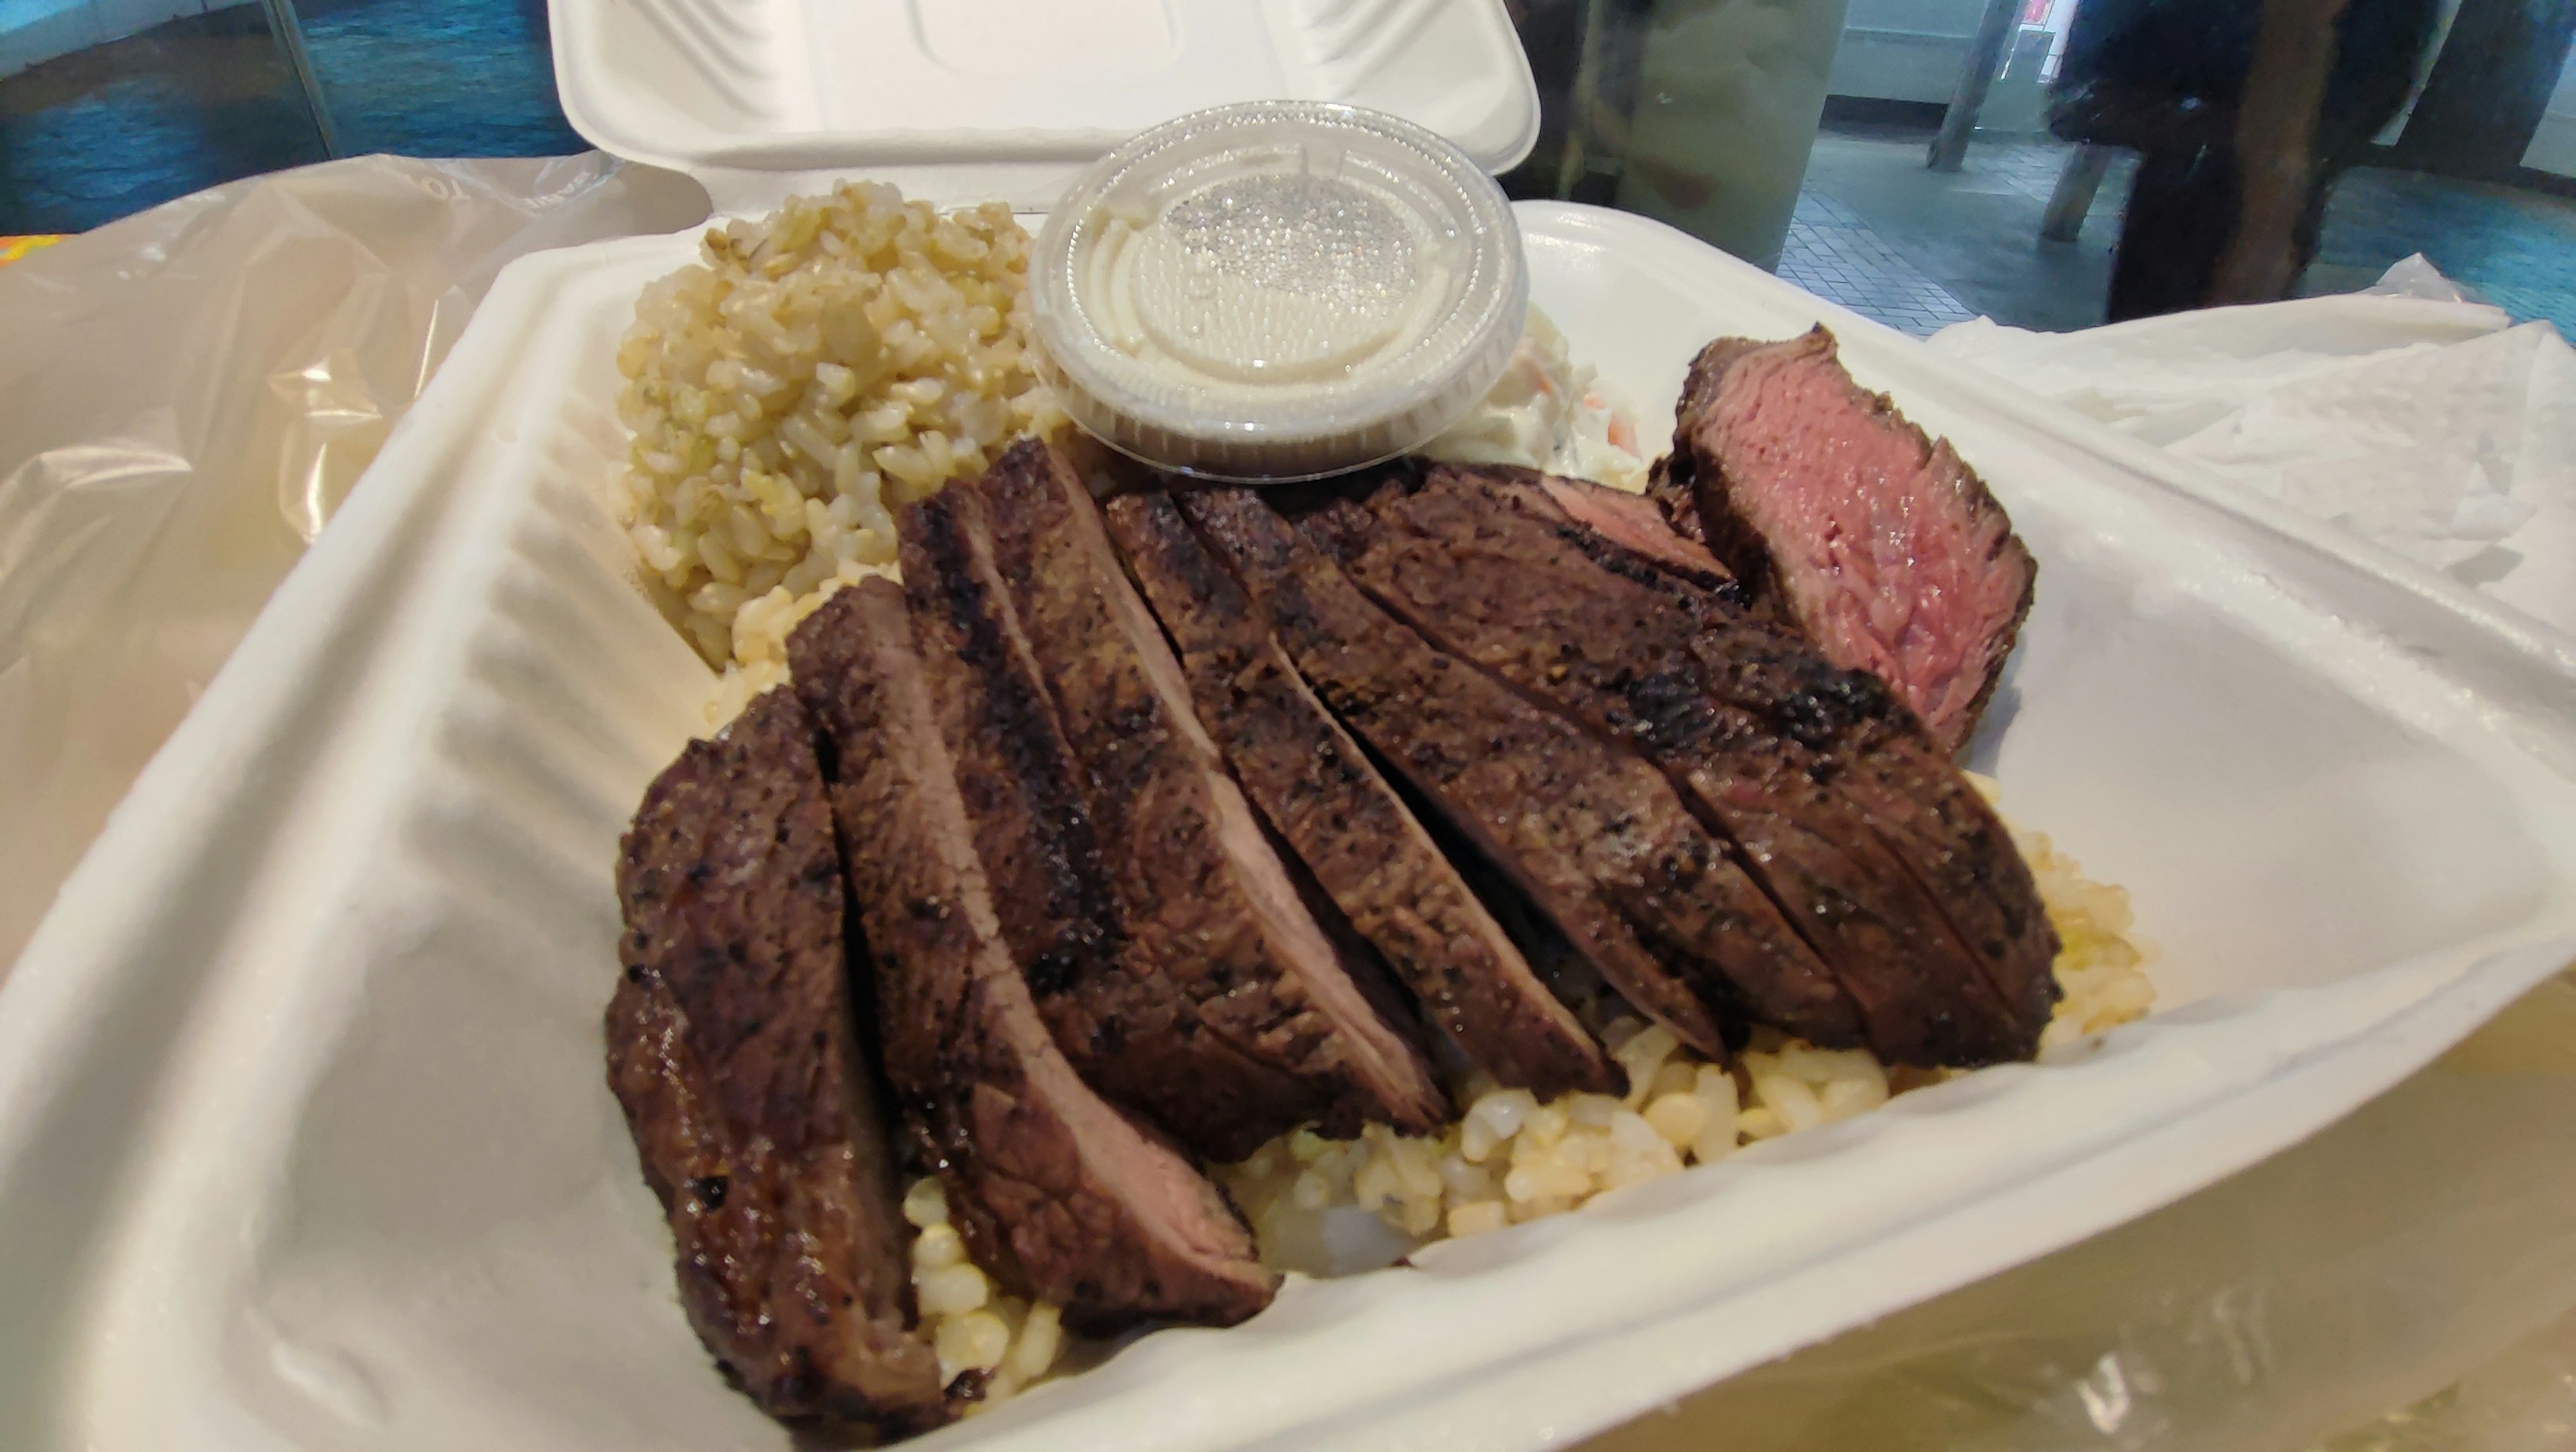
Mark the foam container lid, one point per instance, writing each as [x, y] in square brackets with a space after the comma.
[962, 101]
[305, 1140]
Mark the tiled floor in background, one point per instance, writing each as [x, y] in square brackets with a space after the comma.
[1884, 236]
[1832, 253]
[2517, 248]
[1971, 237]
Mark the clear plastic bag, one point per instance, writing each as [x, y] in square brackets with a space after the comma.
[185, 396]
[2400, 1283]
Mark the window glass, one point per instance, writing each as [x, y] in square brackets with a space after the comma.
[110, 106]
[2058, 163]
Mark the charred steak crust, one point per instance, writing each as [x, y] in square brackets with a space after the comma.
[1876, 752]
[1319, 789]
[1638, 525]
[1023, 789]
[1100, 1214]
[1595, 839]
[734, 1050]
[1846, 831]
[1670, 482]
[1912, 793]
[1844, 519]
[1916, 797]
[1453, 568]
[1130, 1024]
[1208, 905]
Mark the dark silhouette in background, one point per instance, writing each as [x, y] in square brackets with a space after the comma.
[2243, 114]
[2484, 100]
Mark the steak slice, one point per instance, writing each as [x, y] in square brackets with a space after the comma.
[1318, 788]
[1595, 838]
[1092, 1210]
[1668, 482]
[1488, 566]
[734, 1049]
[1131, 1007]
[1914, 796]
[1670, 493]
[1208, 906]
[1845, 520]
[1912, 793]
[1021, 787]
[1638, 524]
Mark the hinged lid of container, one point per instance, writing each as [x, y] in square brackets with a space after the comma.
[979, 100]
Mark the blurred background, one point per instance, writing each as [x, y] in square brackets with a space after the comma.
[1804, 136]
[1921, 161]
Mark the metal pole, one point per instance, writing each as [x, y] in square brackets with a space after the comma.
[290, 37]
[2072, 200]
[1985, 57]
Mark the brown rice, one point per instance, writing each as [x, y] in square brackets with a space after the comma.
[813, 371]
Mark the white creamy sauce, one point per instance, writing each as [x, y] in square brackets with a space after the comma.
[1547, 412]
[1267, 287]
[1277, 290]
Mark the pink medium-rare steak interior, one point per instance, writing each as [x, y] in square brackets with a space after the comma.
[1880, 544]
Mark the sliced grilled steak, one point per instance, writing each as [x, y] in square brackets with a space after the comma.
[1912, 793]
[1022, 789]
[1670, 493]
[1207, 903]
[735, 1051]
[1487, 565]
[1844, 519]
[1318, 788]
[1130, 1009]
[1640, 526]
[1097, 1213]
[1668, 483]
[1911, 790]
[1452, 564]
[1594, 837]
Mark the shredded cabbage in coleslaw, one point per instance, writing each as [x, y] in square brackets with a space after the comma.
[1547, 412]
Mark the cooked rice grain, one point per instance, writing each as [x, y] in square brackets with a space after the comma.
[972, 1326]
[812, 372]
[1512, 1158]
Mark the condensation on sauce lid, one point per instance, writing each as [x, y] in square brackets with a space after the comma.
[1277, 290]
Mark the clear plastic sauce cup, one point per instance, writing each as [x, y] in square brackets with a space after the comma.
[1277, 290]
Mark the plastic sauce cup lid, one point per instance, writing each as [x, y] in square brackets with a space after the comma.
[1277, 290]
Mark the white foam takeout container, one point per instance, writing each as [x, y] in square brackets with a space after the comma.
[972, 100]
[304, 1135]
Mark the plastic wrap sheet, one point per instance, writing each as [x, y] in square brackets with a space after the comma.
[185, 395]
[2411, 414]
[2400, 1283]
